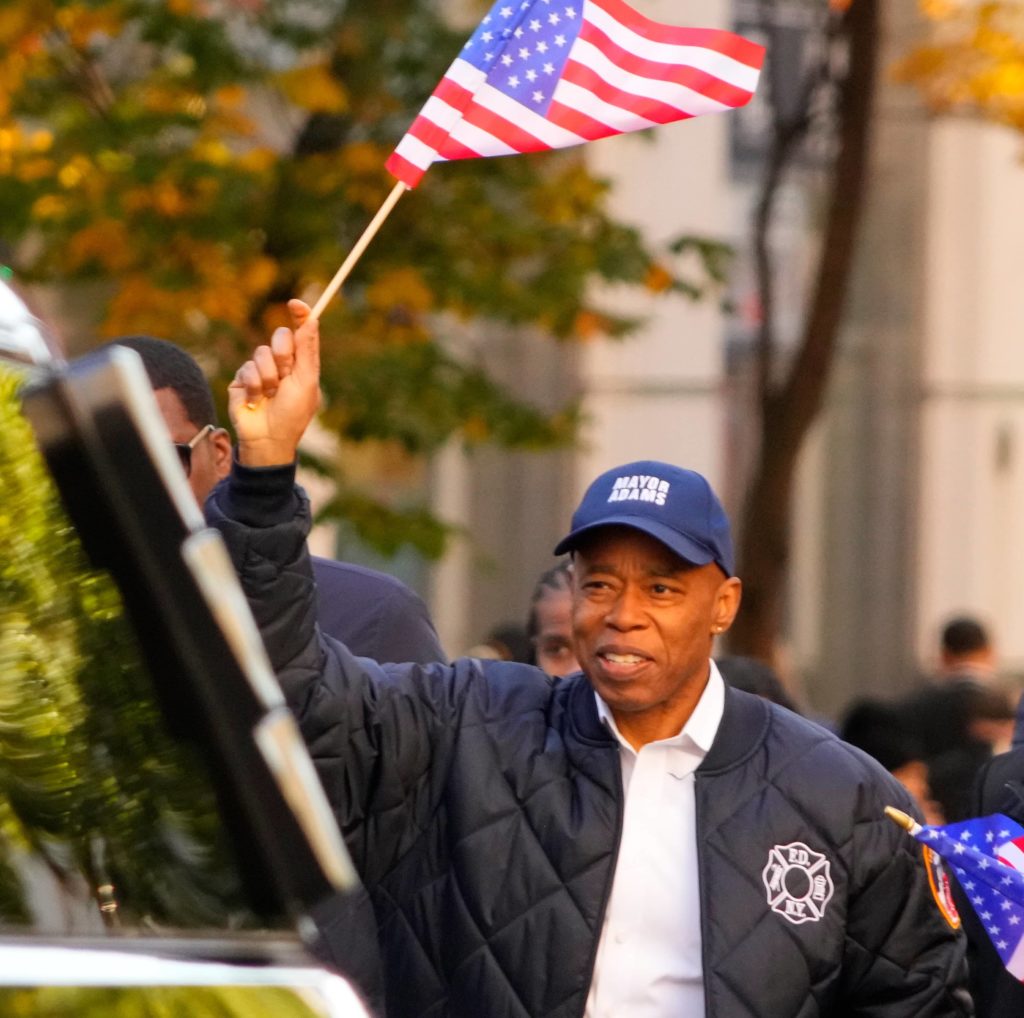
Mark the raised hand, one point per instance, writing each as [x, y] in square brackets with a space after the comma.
[274, 396]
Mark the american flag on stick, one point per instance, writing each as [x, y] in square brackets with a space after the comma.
[543, 74]
[987, 856]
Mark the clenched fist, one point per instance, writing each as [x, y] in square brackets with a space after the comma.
[274, 396]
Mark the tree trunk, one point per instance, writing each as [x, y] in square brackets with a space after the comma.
[789, 409]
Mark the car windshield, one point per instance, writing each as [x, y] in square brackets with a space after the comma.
[107, 820]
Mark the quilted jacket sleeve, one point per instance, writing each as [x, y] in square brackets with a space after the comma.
[903, 960]
[379, 735]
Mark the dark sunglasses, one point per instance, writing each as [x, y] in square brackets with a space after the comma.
[185, 448]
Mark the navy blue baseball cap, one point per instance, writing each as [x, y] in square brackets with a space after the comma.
[673, 505]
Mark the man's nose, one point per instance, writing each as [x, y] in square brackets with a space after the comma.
[627, 611]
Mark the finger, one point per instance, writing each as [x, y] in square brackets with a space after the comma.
[266, 365]
[307, 338]
[282, 345]
[299, 310]
[236, 398]
[247, 378]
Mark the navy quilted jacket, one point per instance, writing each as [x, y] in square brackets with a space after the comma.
[482, 803]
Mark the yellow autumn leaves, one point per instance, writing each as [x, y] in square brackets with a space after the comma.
[221, 288]
[159, 213]
[974, 61]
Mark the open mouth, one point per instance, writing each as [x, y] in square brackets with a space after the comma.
[622, 663]
[622, 659]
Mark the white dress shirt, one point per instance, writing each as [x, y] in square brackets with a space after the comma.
[649, 955]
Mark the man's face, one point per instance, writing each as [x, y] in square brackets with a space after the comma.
[553, 642]
[211, 457]
[643, 625]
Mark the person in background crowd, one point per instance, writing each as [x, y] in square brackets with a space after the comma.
[968, 664]
[960, 718]
[877, 728]
[753, 676]
[959, 725]
[636, 839]
[966, 651]
[549, 624]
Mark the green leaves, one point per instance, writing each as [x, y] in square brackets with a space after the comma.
[92, 786]
[419, 397]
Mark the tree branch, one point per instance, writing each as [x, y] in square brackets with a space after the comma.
[804, 389]
[82, 74]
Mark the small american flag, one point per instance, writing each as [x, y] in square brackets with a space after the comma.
[986, 856]
[543, 74]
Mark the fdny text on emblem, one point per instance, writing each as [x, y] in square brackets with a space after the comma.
[798, 882]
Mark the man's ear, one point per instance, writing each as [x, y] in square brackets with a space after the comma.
[222, 451]
[727, 604]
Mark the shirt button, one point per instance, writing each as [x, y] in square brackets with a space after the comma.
[621, 937]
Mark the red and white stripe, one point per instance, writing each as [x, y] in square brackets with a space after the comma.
[1012, 854]
[624, 73]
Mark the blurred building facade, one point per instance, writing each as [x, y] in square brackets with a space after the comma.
[911, 491]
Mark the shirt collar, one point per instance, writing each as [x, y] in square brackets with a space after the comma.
[702, 725]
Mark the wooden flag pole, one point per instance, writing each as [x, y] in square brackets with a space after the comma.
[904, 820]
[356, 253]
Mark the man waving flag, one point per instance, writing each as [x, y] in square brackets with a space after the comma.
[543, 74]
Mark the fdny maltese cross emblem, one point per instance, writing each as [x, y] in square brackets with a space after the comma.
[798, 883]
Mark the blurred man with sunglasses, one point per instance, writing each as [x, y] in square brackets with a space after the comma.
[186, 403]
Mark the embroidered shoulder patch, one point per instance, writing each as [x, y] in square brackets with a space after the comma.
[942, 889]
[799, 882]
